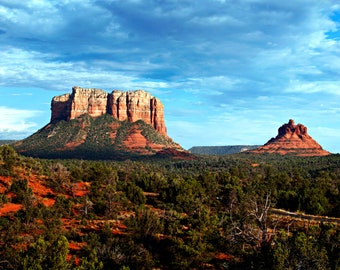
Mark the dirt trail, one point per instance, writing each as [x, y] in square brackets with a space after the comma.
[304, 217]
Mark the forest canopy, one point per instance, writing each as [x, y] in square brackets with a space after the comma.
[225, 212]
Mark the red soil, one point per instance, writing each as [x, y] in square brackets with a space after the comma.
[72, 145]
[80, 188]
[5, 182]
[223, 257]
[76, 246]
[48, 202]
[71, 257]
[5, 179]
[10, 208]
[38, 189]
[36, 183]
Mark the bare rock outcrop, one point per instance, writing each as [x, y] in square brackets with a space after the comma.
[61, 108]
[135, 105]
[91, 101]
[90, 123]
[131, 106]
[292, 139]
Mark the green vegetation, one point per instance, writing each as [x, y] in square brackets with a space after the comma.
[99, 138]
[2, 142]
[149, 133]
[221, 150]
[209, 213]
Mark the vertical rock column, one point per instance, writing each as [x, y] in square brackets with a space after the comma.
[157, 115]
[137, 105]
[117, 105]
[131, 106]
[60, 106]
[88, 100]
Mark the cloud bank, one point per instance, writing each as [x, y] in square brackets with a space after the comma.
[16, 122]
[226, 65]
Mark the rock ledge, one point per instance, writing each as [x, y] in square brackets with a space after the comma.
[130, 106]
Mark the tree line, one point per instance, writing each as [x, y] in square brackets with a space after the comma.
[208, 213]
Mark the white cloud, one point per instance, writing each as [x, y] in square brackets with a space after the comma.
[18, 17]
[32, 68]
[16, 121]
[235, 61]
[303, 87]
[217, 20]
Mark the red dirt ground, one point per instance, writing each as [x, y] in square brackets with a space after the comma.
[36, 183]
[48, 202]
[10, 208]
[80, 188]
[76, 246]
[222, 256]
[5, 181]
[38, 189]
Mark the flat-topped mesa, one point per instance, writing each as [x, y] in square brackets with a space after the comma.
[131, 106]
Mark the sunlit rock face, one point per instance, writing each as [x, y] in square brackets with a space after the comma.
[90, 123]
[292, 139]
[90, 101]
[137, 105]
[130, 106]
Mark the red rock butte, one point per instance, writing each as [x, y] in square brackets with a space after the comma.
[292, 139]
[130, 106]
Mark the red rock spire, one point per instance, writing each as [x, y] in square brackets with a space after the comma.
[292, 139]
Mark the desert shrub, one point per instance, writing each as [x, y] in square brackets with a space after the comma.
[8, 158]
[135, 194]
[46, 255]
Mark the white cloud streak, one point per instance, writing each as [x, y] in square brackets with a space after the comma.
[244, 59]
[14, 121]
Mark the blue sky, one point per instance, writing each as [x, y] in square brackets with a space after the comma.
[228, 72]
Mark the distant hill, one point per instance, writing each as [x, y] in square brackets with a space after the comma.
[292, 139]
[221, 150]
[2, 142]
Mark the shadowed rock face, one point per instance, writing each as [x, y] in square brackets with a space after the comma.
[292, 139]
[131, 106]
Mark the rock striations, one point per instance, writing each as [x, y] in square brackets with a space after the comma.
[292, 139]
[94, 124]
[131, 106]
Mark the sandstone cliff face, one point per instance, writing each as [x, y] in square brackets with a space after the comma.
[292, 139]
[61, 107]
[90, 101]
[136, 105]
[131, 106]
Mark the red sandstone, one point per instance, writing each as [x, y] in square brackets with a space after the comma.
[292, 139]
[131, 106]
